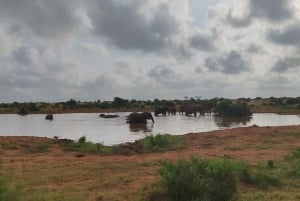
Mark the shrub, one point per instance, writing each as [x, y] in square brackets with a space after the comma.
[22, 111]
[197, 179]
[226, 108]
[160, 143]
[259, 178]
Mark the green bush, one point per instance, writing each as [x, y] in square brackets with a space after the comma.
[226, 108]
[160, 143]
[209, 180]
[22, 111]
[197, 179]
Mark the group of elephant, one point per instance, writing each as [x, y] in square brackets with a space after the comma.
[137, 118]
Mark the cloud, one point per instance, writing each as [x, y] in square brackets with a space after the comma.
[231, 63]
[49, 19]
[274, 11]
[288, 36]
[95, 49]
[238, 22]
[286, 64]
[149, 27]
[202, 42]
[165, 76]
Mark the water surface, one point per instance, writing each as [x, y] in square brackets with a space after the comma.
[114, 131]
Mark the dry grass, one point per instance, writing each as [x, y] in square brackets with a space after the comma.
[60, 175]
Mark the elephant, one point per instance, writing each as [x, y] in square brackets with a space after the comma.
[139, 118]
[106, 116]
[161, 110]
[184, 108]
[194, 110]
[49, 117]
[172, 110]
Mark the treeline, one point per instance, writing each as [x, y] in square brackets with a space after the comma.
[121, 103]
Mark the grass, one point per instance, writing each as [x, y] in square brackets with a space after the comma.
[89, 147]
[39, 148]
[8, 191]
[160, 143]
[123, 180]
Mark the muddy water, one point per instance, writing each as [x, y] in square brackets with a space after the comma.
[114, 131]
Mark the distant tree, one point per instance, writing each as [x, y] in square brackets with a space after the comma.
[226, 108]
[120, 102]
[70, 104]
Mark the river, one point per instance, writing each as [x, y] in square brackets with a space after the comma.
[115, 131]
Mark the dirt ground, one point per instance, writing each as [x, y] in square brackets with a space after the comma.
[121, 177]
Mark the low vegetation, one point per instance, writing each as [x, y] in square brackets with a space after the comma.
[211, 180]
[227, 108]
[160, 143]
[258, 104]
[151, 143]
[8, 192]
[83, 146]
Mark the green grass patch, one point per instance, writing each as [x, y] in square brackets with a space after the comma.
[294, 164]
[156, 143]
[83, 146]
[160, 143]
[8, 191]
[38, 148]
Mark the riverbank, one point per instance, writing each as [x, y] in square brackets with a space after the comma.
[253, 108]
[58, 174]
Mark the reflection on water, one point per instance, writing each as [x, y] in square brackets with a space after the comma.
[114, 131]
[231, 121]
[146, 128]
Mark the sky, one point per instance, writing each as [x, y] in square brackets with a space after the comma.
[168, 49]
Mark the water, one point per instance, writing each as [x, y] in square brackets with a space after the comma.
[115, 131]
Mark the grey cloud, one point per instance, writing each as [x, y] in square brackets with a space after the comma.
[125, 26]
[289, 36]
[254, 49]
[239, 22]
[50, 19]
[232, 63]
[272, 10]
[26, 55]
[168, 77]
[201, 42]
[284, 65]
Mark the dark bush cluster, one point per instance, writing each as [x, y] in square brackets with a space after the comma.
[227, 108]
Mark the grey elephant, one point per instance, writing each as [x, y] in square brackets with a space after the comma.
[194, 109]
[161, 110]
[139, 118]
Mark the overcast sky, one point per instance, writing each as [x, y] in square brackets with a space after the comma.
[54, 50]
